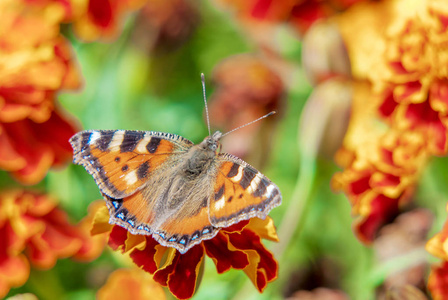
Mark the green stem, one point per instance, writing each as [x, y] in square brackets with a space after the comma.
[294, 219]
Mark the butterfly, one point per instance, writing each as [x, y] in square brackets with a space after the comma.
[163, 185]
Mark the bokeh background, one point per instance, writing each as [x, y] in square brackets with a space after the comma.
[357, 146]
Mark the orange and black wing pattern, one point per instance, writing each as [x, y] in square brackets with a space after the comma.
[241, 193]
[120, 161]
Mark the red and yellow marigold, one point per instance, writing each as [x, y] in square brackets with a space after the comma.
[34, 231]
[238, 247]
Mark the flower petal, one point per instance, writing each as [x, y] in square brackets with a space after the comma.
[223, 257]
[130, 284]
[262, 267]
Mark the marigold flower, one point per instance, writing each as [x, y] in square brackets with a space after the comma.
[97, 19]
[29, 149]
[33, 136]
[33, 223]
[381, 166]
[403, 104]
[300, 14]
[438, 281]
[437, 245]
[139, 285]
[32, 70]
[238, 246]
[414, 86]
[438, 278]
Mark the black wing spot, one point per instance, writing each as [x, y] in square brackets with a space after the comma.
[219, 193]
[142, 170]
[261, 189]
[85, 139]
[103, 142]
[130, 140]
[117, 159]
[230, 199]
[153, 144]
[248, 175]
[233, 170]
[125, 168]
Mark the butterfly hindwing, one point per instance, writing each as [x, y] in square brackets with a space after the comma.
[240, 193]
[181, 234]
[120, 161]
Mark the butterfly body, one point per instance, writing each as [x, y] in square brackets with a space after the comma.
[163, 185]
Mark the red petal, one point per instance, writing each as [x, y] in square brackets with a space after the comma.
[224, 258]
[248, 240]
[182, 282]
[238, 227]
[161, 275]
[382, 210]
[145, 258]
[438, 281]
[117, 238]
[101, 12]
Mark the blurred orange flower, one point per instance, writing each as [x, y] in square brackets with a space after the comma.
[32, 223]
[238, 246]
[438, 278]
[438, 245]
[139, 285]
[101, 19]
[32, 69]
[438, 281]
[33, 135]
[29, 149]
[300, 14]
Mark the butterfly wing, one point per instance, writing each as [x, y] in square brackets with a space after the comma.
[241, 193]
[180, 233]
[120, 161]
[136, 171]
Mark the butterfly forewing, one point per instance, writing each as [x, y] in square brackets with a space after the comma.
[241, 193]
[120, 161]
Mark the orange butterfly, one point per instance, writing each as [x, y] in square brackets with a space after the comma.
[163, 185]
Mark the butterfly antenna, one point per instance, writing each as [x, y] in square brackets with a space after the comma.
[260, 118]
[205, 102]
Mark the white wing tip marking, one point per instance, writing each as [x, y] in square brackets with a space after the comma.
[94, 137]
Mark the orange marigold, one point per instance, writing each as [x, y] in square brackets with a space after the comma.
[301, 14]
[139, 285]
[438, 281]
[97, 19]
[438, 278]
[238, 246]
[33, 134]
[31, 222]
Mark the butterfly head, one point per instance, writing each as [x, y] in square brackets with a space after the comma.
[211, 143]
